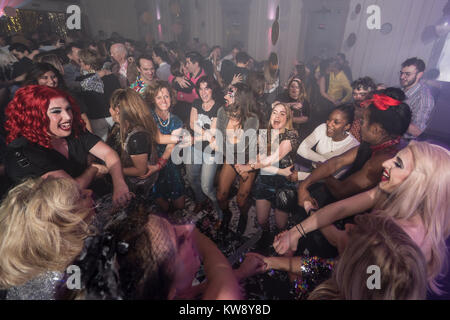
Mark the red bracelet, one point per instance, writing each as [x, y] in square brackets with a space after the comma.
[161, 163]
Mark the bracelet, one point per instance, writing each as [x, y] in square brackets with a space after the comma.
[161, 163]
[303, 234]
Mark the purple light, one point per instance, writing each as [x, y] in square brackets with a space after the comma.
[271, 9]
[158, 13]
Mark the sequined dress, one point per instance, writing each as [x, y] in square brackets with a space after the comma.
[42, 287]
[170, 182]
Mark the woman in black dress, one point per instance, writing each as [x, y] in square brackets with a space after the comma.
[46, 137]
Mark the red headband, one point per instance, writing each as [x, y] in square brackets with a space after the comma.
[381, 102]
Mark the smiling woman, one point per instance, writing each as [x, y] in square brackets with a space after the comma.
[46, 137]
[413, 191]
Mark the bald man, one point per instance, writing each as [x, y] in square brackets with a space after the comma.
[124, 67]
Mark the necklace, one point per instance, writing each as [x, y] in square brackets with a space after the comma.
[161, 122]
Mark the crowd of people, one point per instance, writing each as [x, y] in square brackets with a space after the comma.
[104, 142]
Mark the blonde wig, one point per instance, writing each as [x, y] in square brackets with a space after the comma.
[426, 192]
[377, 240]
[42, 228]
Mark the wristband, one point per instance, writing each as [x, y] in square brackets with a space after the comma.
[303, 234]
[161, 163]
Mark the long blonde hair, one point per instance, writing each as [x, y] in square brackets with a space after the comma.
[426, 192]
[133, 113]
[42, 228]
[289, 125]
[377, 240]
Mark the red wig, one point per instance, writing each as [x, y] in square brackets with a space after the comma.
[27, 114]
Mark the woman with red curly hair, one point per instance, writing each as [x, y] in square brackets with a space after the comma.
[46, 137]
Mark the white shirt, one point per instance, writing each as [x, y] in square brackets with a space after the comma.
[326, 148]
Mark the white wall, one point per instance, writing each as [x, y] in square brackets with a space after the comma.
[262, 15]
[380, 56]
[206, 21]
[110, 16]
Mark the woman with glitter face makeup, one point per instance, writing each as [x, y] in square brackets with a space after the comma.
[46, 137]
[236, 139]
[413, 191]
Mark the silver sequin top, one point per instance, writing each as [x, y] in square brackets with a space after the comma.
[40, 288]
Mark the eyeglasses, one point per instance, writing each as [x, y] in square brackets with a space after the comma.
[407, 74]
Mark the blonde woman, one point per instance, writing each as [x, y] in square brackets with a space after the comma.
[414, 190]
[43, 224]
[280, 147]
[295, 96]
[375, 241]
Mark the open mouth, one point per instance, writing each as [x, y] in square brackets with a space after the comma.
[276, 123]
[66, 126]
[385, 176]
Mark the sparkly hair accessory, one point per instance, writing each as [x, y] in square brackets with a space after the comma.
[381, 102]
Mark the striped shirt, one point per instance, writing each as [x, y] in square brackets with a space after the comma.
[421, 102]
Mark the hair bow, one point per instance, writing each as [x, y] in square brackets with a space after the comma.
[381, 102]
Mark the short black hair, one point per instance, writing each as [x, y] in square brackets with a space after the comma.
[365, 83]
[68, 48]
[348, 110]
[396, 119]
[418, 63]
[160, 52]
[19, 47]
[242, 57]
[145, 56]
[210, 83]
[195, 57]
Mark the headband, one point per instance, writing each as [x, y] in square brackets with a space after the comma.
[381, 102]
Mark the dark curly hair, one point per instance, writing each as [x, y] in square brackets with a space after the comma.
[365, 83]
[27, 114]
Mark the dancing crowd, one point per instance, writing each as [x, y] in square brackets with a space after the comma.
[111, 149]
